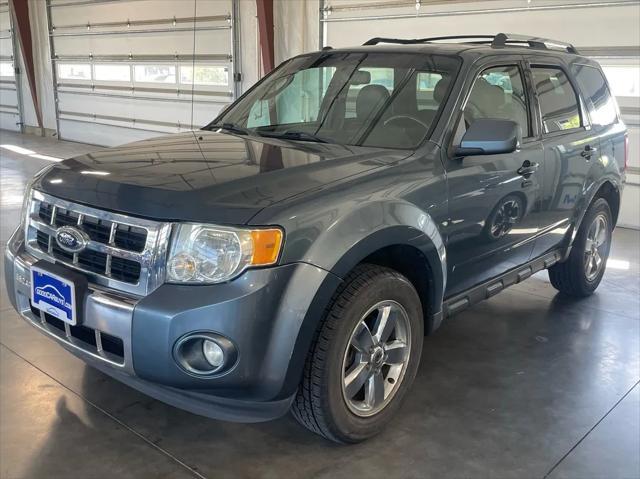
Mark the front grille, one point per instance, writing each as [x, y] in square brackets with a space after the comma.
[123, 253]
[88, 339]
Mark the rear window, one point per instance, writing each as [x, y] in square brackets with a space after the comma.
[595, 87]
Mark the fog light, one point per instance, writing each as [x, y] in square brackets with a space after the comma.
[213, 353]
[205, 354]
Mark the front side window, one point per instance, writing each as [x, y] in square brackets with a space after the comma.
[499, 93]
[559, 103]
[369, 99]
[595, 87]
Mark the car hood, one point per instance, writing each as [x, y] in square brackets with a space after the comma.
[206, 176]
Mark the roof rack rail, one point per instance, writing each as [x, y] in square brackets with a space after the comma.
[499, 40]
[417, 41]
[504, 39]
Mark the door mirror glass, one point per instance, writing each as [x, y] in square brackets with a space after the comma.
[487, 136]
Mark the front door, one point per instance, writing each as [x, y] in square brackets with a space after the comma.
[493, 199]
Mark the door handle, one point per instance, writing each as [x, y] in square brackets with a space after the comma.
[588, 151]
[528, 168]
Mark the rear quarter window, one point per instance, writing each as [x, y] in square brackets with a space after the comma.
[594, 86]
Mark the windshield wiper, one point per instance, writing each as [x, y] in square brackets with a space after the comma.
[293, 135]
[231, 127]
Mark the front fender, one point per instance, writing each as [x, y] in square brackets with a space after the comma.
[374, 225]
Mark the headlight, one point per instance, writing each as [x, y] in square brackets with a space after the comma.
[27, 193]
[214, 254]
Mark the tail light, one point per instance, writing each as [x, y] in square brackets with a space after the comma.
[626, 152]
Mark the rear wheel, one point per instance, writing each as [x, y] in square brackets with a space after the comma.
[581, 274]
[364, 357]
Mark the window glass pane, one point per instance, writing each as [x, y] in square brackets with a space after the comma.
[364, 77]
[558, 99]
[155, 73]
[209, 75]
[499, 93]
[112, 72]
[595, 87]
[259, 115]
[624, 79]
[74, 71]
[430, 88]
[6, 69]
[301, 95]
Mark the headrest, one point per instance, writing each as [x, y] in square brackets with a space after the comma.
[370, 99]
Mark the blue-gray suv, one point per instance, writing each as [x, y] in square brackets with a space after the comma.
[292, 254]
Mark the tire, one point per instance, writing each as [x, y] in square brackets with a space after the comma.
[323, 403]
[573, 277]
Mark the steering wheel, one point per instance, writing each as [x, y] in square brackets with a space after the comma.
[406, 117]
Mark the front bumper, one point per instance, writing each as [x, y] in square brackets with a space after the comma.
[268, 314]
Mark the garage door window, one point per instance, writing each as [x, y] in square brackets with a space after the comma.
[74, 71]
[155, 73]
[111, 72]
[558, 100]
[624, 79]
[206, 75]
[6, 69]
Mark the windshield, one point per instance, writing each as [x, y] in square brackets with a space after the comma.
[386, 100]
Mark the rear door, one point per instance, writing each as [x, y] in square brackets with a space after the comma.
[493, 199]
[571, 147]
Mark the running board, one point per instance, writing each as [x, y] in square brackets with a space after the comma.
[486, 290]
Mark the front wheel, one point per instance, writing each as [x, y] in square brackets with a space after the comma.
[364, 357]
[581, 274]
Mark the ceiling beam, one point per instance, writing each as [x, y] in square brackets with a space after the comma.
[265, 27]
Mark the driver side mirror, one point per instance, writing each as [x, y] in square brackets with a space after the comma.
[487, 136]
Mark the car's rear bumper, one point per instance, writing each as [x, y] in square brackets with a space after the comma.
[265, 314]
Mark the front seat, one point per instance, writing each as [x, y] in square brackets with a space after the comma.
[370, 100]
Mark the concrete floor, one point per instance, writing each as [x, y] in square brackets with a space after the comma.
[528, 384]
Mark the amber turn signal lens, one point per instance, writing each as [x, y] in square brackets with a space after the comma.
[266, 246]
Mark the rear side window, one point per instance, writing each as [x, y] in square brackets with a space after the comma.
[593, 84]
[558, 100]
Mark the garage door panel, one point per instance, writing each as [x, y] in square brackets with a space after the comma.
[176, 43]
[140, 10]
[170, 111]
[98, 133]
[9, 120]
[8, 96]
[204, 113]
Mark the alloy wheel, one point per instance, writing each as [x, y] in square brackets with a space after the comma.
[595, 253]
[376, 358]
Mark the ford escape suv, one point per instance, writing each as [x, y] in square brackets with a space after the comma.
[292, 254]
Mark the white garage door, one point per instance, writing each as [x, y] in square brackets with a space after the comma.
[130, 69]
[605, 30]
[10, 118]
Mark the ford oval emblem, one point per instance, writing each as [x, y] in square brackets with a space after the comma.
[71, 239]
